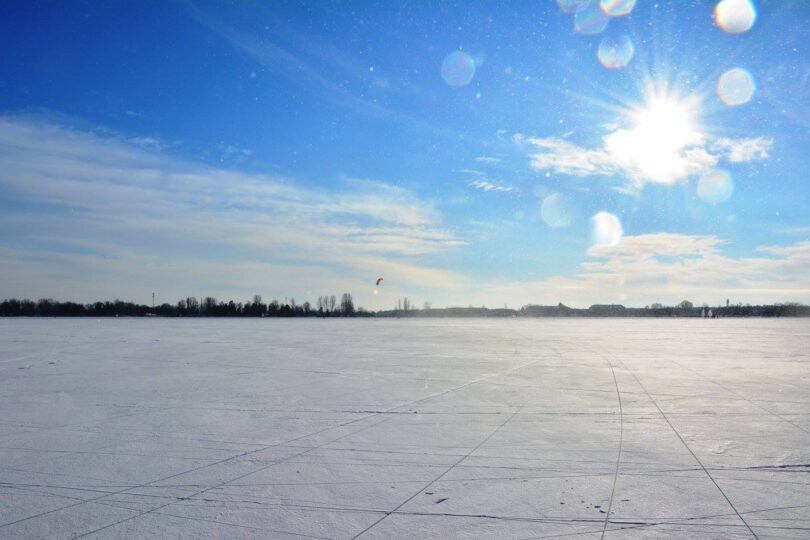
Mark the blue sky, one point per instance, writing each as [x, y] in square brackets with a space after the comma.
[307, 148]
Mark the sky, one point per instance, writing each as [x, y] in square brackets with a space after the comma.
[470, 153]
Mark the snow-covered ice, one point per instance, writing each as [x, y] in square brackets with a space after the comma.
[507, 428]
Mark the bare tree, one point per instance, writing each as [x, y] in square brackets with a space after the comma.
[346, 304]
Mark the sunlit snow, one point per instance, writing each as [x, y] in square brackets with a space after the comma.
[126, 428]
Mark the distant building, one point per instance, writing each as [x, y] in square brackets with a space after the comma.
[539, 311]
[607, 310]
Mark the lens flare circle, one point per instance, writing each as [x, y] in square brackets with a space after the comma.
[555, 211]
[614, 53]
[458, 69]
[606, 229]
[590, 19]
[617, 8]
[735, 16]
[715, 187]
[736, 87]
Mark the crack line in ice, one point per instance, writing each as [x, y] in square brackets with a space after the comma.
[741, 396]
[408, 404]
[697, 459]
[233, 479]
[619, 454]
[468, 454]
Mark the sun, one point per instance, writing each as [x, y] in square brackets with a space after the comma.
[664, 125]
[657, 136]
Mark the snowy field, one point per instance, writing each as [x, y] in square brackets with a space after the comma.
[132, 428]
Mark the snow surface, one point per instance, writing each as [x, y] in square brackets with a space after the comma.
[131, 428]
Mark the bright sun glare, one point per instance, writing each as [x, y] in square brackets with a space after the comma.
[664, 126]
[660, 132]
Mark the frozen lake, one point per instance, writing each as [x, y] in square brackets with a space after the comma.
[129, 428]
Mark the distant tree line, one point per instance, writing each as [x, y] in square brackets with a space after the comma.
[327, 306]
[683, 309]
[332, 306]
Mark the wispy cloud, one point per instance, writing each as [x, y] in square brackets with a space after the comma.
[742, 150]
[566, 158]
[98, 205]
[487, 159]
[796, 231]
[313, 63]
[486, 185]
[659, 244]
[148, 142]
[232, 149]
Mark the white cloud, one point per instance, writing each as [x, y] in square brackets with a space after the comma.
[796, 231]
[487, 159]
[114, 210]
[742, 150]
[799, 251]
[486, 185]
[661, 147]
[96, 216]
[668, 268]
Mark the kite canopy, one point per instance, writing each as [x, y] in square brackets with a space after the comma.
[379, 280]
